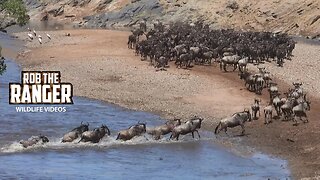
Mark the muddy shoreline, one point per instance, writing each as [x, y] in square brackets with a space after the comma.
[108, 71]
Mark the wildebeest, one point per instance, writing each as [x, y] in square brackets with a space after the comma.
[277, 103]
[259, 83]
[184, 60]
[255, 107]
[143, 25]
[300, 110]
[158, 131]
[189, 126]
[132, 40]
[208, 56]
[137, 33]
[267, 79]
[273, 89]
[132, 131]
[34, 140]
[75, 133]
[237, 119]
[268, 114]
[249, 80]
[242, 63]
[161, 63]
[229, 60]
[95, 135]
[286, 108]
[298, 89]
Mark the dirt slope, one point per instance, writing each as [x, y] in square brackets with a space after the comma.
[292, 16]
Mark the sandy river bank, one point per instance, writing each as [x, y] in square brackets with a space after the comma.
[99, 65]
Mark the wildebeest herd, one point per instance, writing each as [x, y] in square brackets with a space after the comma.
[196, 43]
[83, 134]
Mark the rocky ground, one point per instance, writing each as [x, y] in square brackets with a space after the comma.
[291, 16]
[99, 65]
[6, 21]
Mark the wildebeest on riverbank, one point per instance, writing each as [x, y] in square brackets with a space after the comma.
[197, 43]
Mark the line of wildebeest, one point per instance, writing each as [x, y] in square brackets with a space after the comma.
[83, 134]
[292, 106]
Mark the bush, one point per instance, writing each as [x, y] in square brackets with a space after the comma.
[3, 66]
[16, 9]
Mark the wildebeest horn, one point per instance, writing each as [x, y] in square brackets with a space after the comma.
[108, 130]
[87, 124]
[81, 122]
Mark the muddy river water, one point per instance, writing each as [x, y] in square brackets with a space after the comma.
[138, 158]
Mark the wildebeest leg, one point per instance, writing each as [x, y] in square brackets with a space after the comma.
[118, 137]
[243, 130]
[157, 136]
[266, 121]
[225, 67]
[197, 133]
[240, 69]
[80, 139]
[192, 135]
[295, 121]
[254, 115]
[235, 67]
[306, 121]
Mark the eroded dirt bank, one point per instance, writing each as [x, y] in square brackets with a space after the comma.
[99, 65]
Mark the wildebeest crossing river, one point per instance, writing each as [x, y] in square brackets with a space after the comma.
[138, 158]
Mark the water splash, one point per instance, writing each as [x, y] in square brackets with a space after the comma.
[106, 142]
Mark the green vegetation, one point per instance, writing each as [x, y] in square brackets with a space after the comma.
[3, 66]
[16, 9]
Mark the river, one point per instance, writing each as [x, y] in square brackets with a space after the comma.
[141, 157]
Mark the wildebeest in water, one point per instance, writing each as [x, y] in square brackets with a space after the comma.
[75, 133]
[34, 140]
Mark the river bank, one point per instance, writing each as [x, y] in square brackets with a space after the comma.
[99, 65]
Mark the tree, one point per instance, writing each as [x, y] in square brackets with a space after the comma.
[16, 9]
